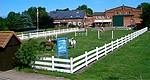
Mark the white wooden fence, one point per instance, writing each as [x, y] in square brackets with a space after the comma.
[48, 33]
[74, 64]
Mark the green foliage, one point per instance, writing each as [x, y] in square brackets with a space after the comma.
[89, 11]
[67, 9]
[27, 21]
[3, 24]
[72, 26]
[145, 14]
[46, 22]
[26, 53]
[14, 21]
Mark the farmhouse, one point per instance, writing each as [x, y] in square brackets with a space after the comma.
[9, 44]
[119, 16]
[75, 17]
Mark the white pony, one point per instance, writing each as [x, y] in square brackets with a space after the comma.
[72, 42]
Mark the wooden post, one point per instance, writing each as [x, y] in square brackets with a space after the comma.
[112, 35]
[86, 63]
[52, 63]
[97, 53]
[71, 65]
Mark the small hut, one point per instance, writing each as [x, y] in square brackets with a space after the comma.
[9, 44]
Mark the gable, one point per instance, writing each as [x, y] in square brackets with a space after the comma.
[122, 8]
[75, 14]
[6, 36]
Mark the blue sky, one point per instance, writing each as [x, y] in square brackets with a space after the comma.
[7, 6]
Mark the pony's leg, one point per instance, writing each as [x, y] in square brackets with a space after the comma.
[51, 48]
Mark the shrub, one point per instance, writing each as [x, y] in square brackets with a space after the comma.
[26, 53]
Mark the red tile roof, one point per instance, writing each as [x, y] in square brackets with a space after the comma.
[5, 36]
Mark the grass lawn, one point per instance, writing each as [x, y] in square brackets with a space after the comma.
[84, 43]
[132, 61]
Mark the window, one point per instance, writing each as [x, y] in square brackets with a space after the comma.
[79, 23]
[117, 12]
[100, 17]
[108, 17]
[129, 12]
[70, 22]
[96, 17]
[74, 23]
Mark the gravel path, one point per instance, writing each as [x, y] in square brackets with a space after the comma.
[15, 75]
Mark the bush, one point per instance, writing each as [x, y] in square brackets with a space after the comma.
[72, 26]
[26, 53]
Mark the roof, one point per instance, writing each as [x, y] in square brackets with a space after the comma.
[5, 36]
[123, 6]
[99, 14]
[75, 14]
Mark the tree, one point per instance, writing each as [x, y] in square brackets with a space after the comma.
[3, 24]
[26, 54]
[27, 21]
[67, 9]
[14, 21]
[145, 16]
[46, 22]
[89, 11]
[32, 12]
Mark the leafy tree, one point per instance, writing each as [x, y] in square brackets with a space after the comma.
[145, 13]
[27, 21]
[67, 9]
[32, 12]
[3, 24]
[46, 22]
[26, 54]
[84, 7]
[14, 21]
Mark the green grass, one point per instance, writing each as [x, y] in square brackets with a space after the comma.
[84, 43]
[132, 61]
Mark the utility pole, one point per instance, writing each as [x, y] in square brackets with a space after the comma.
[37, 14]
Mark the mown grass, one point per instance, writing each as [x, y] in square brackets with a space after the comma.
[132, 61]
[84, 43]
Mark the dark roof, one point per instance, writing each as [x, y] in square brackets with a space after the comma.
[99, 14]
[75, 14]
[5, 36]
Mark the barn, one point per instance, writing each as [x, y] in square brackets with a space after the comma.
[9, 44]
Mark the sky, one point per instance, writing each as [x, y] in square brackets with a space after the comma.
[7, 6]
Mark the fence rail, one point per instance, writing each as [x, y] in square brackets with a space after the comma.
[74, 64]
[48, 33]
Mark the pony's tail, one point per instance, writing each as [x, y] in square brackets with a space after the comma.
[41, 43]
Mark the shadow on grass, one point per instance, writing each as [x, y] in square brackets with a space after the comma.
[112, 78]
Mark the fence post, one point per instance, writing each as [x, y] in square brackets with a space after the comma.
[98, 34]
[112, 45]
[97, 53]
[86, 63]
[75, 33]
[52, 63]
[22, 35]
[117, 43]
[36, 34]
[112, 35]
[71, 65]
[105, 49]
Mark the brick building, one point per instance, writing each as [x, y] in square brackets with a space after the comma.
[75, 17]
[119, 16]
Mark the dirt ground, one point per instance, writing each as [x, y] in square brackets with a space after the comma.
[15, 75]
